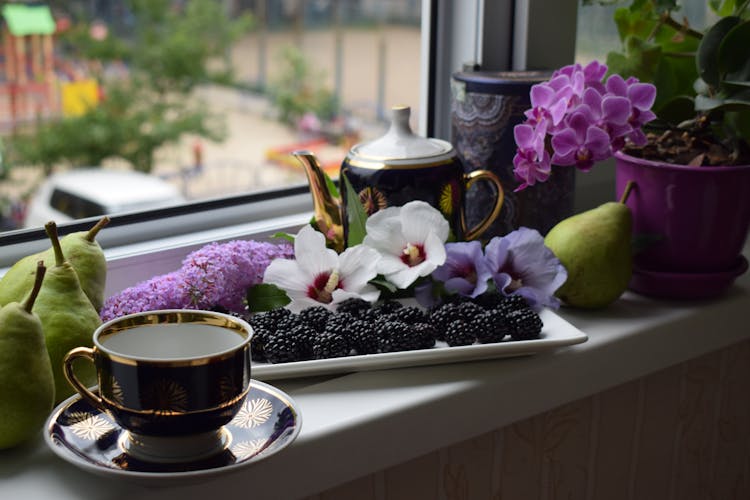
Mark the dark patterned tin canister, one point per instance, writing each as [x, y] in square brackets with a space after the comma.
[484, 109]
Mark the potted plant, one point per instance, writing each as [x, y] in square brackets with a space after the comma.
[687, 155]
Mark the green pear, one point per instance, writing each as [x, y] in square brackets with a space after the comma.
[82, 251]
[27, 387]
[68, 318]
[595, 248]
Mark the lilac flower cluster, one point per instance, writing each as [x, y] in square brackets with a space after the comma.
[518, 263]
[214, 276]
[582, 117]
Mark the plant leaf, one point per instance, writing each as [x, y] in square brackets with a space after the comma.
[707, 58]
[677, 110]
[285, 236]
[266, 297]
[734, 52]
[356, 215]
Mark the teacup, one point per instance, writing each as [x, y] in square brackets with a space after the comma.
[168, 373]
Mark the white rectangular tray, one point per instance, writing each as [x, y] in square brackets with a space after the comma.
[556, 333]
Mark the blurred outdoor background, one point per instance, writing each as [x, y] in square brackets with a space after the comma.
[211, 95]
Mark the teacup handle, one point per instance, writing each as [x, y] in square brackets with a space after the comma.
[73, 354]
[469, 180]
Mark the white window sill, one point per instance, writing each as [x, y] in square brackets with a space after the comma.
[360, 423]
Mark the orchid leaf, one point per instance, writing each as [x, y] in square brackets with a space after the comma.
[266, 297]
[356, 215]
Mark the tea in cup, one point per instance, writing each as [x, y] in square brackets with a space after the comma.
[168, 373]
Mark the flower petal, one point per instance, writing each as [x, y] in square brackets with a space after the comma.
[421, 220]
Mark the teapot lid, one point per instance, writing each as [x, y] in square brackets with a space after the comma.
[400, 143]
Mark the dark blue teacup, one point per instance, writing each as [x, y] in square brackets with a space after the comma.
[168, 373]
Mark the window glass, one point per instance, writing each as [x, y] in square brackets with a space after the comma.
[117, 84]
[597, 33]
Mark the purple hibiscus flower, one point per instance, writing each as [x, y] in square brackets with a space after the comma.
[521, 264]
[465, 270]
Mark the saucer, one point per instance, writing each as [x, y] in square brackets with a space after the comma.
[88, 438]
[685, 285]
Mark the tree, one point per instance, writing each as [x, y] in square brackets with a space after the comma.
[173, 48]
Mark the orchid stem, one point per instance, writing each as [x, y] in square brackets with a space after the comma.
[628, 188]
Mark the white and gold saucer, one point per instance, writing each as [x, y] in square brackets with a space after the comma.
[86, 437]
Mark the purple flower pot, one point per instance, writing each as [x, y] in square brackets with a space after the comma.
[695, 219]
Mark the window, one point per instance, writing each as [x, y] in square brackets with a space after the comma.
[597, 32]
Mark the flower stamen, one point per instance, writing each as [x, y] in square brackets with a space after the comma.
[412, 255]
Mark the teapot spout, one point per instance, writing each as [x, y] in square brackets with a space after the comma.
[327, 208]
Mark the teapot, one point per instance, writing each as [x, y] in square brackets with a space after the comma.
[394, 169]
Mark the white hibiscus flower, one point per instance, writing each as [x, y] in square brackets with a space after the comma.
[319, 276]
[410, 240]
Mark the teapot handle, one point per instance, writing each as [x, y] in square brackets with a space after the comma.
[469, 180]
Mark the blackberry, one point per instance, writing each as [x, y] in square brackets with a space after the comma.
[269, 319]
[261, 335]
[524, 324]
[363, 337]
[459, 333]
[396, 336]
[489, 300]
[356, 307]
[304, 335]
[288, 323]
[490, 327]
[427, 334]
[316, 317]
[338, 322]
[512, 303]
[387, 307]
[410, 315]
[280, 348]
[445, 315]
[468, 310]
[330, 345]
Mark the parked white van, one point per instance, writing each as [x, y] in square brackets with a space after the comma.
[89, 192]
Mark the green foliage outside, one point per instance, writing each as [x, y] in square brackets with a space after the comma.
[169, 53]
[300, 89]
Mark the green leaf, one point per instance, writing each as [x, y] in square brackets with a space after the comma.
[707, 59]
[722, 8]
[331, 186]
[384, 284]
[266, 297]
[356, 215]
[677, 110]
[734, 52]
[285, 236]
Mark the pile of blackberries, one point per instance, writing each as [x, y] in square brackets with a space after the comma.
[358, 328]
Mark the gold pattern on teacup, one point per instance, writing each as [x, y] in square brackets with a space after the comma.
[254, 412]
[88, 426]
[445, 203]
[227, 388]
[115, 392]
[167, 396]
[372, 200]
[247, 449]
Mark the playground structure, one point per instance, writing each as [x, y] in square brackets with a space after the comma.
[34, 82]
[27, 77]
